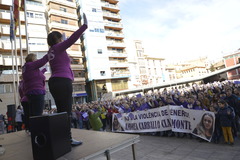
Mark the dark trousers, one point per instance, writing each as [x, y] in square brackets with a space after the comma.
[26, 116]
[36, 104]
[61, 90]
[19, 126]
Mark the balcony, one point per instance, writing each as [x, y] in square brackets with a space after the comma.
[61, 26]
[118, 64]
[7, 61]
[34, 6]
[115, 44]
[116, 54]
[62, 14]
[37, 21]
[63, 2]
[113, 24]
[5, 16]
[75, 53]
[110, 7]
[6, 2]
[112, 1]
[37, 34]
[113, 16]
[6, 30]
[6, 45]
[38, 48]
[77, 67]
[79, 79]
[120, 74]
[114, 34]
[1, 60]
[6, 77]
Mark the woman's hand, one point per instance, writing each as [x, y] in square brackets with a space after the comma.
[85, 19]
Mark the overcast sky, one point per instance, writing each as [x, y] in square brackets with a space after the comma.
[183, 29]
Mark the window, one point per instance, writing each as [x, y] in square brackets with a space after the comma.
[99, 51]
[5, 88]
[102, 73]
[1, 88]
[64, 21]
[63, 9]
[119, 85]
[30, 15]
[96, 29]
[40, 16]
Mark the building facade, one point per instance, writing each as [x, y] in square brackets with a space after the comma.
[104, 48]
[231, 60]
[10, 60]
[156, 72]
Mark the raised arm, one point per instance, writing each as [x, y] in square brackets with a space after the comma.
[74, 37]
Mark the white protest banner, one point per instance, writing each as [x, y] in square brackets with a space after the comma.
[175, 118]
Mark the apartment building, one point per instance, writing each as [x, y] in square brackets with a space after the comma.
[104, 48]
[156, 71]
[232, 59]
[8, 59]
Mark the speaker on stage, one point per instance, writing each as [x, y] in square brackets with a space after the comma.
[50, 135]
[11, 111]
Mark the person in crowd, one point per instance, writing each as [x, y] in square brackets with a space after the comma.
[25, 104]
[103, 117]
[226, 115]
[233, 101]
[34, 83]
[18, 118]
[95, 120]
[2, 125]
[60, 82]
[79, 117]
[205, 128]
[74, 118]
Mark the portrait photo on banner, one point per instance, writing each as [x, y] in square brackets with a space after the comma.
[205, 126]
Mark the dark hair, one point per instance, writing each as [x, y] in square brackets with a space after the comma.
[222, 101]
[53, 38]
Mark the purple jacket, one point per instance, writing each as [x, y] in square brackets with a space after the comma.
[59, 59]
[33, 78]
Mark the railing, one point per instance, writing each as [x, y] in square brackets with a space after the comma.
[63, 26]
[115, 43]
[113, 24]
[115, 34]
[118, 64]
[105, 4]
[61, 13]
[112, 54]
[109, 14]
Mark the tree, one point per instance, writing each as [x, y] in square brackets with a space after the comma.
[212, 69]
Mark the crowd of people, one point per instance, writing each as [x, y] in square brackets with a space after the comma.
[221, 98]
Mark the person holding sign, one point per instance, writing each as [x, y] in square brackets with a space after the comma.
[226, 117]
[205, 128]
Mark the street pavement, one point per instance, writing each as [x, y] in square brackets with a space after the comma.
[173, 148]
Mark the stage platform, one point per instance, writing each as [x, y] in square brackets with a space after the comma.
[18, 146]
